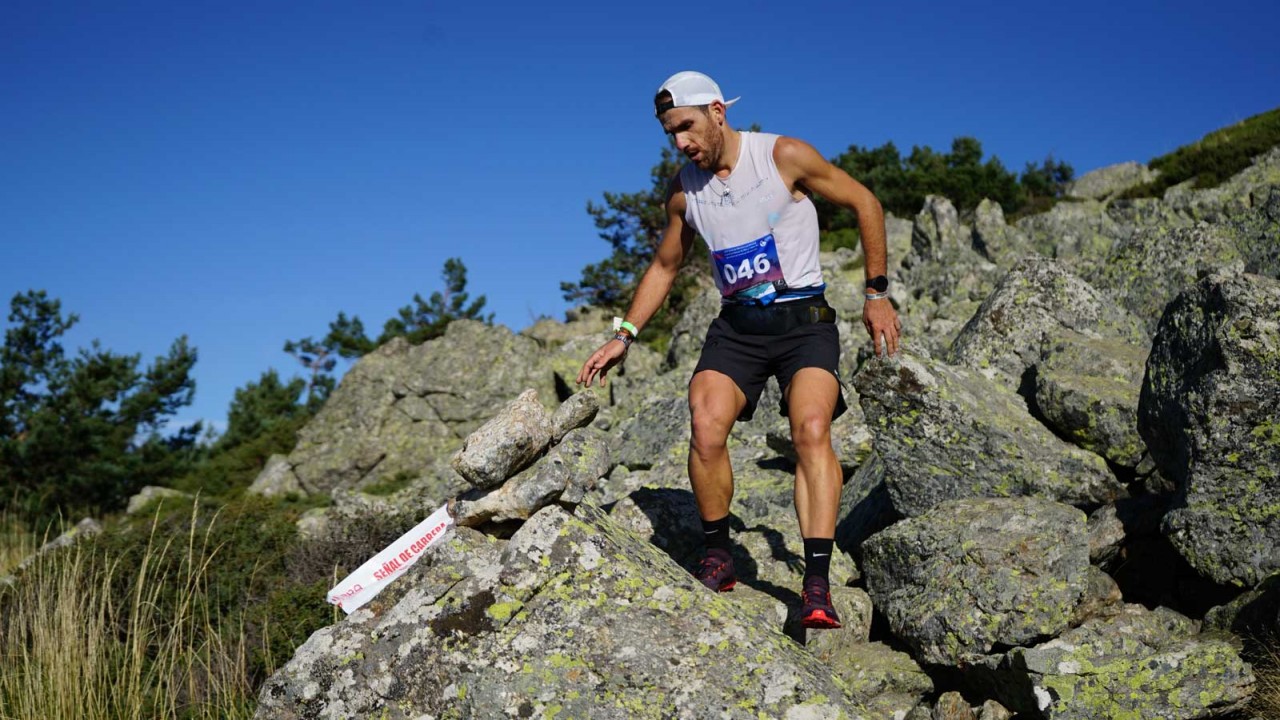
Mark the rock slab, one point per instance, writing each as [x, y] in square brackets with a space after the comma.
[1087, 389]
[1135, 664]
[1208, 414]
[1035, 300]
[573, 617]
[1110, 180]
[944, 433]
[971, 574]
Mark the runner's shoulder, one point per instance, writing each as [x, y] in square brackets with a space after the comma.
[791, 151]
[675, 193]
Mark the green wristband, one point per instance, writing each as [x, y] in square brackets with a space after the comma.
[629, 328]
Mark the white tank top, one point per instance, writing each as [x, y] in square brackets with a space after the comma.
[763, 242]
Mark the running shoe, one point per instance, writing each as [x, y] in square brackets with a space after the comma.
[816, 610]
[716, 570]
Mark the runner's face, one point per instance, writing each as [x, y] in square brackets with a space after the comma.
[697, 134]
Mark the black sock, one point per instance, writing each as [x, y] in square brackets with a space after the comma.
[817, 557]
[715, 533]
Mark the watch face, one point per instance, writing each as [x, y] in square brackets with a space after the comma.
[880, 283]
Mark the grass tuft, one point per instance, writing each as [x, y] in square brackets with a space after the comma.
[1265, 656]
[17, 543]
[73, 647]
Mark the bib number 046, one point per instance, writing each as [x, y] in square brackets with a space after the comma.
[749, 268]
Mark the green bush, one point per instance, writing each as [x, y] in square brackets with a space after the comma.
[846, 237]
[229, 470]
[1215, 157]
[389, 485]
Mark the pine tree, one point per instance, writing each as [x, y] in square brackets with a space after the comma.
[427, 319]
[259, 406]
[84, 433]
[633, 224]
[318, 358]
[418, 322]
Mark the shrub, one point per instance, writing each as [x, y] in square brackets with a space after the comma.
[229, 470]
[1215, 157]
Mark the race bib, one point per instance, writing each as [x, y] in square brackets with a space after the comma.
[749, 272]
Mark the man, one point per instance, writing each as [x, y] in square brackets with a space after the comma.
[747, 195]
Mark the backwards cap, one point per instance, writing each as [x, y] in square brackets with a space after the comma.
[689, 89]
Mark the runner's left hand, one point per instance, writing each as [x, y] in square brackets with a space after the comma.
[881, 320]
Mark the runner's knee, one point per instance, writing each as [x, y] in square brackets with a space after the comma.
[710, 428]
[811, 432]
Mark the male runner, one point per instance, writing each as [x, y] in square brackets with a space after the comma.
[747, 195]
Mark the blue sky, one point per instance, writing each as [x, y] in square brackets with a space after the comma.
[241, 172]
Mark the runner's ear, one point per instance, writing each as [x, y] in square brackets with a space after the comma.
[716, 108]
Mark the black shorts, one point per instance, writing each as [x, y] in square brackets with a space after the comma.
[750, 359]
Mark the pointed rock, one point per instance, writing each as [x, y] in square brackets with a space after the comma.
[576, 412]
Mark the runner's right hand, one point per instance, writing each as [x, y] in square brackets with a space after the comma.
[601, 362]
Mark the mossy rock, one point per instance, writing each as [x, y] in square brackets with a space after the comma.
[973, 574]
[573, 617]
[1134, 665]
[1208, 414]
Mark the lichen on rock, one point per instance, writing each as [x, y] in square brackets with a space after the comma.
[1135, 664]
[972, 574]
[944, 433]
[1036, 300]
[1087, 388]
[1208, 413]
[574, 613]
[506, 444]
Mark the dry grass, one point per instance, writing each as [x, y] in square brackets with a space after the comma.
[72, 649]
[16, 543]
[1266, 665]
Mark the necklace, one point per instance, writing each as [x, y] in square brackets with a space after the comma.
[724, 192]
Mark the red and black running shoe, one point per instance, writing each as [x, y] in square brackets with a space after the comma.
[716, 570]
[816, 610]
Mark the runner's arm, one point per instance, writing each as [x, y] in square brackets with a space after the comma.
[803, 166]
[658, 279]
[653, 287]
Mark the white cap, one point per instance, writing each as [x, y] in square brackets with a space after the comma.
[690, 89]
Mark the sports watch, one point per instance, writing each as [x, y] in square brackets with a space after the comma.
[878, 284]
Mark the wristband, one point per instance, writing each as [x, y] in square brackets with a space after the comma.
[624, 338]
[877, 296]
[620, 324]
